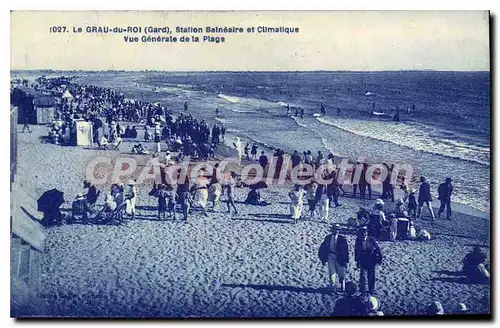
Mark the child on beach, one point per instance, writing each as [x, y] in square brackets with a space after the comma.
[412, 204]
[400, 210]
[311, 198]
[161, 194]
[171, 197]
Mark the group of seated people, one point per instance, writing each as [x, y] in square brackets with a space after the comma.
[104, 143]
[139, 149]
[60, 133]
[386, 226]
[83, 208]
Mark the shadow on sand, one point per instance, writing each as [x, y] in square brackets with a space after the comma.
[263, 220]
[456, 277]
[309, 290]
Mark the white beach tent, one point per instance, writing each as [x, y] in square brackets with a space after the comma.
[67, 95]
[83, 133]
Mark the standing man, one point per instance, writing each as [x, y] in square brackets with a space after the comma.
[230, 185]
[25, 121]
[185, 105]
[424, 197]
[335, 251]
[295, 159]
[444, 195]
[367, 256]
[263, 160]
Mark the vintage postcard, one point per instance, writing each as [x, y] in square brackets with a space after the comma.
[250, 164]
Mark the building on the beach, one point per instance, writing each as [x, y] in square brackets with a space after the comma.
[36, 106]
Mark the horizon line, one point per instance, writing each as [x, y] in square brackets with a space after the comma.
[248, 71]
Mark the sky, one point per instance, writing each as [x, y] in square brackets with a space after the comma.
[327, 40]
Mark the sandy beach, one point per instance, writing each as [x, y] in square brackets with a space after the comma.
[254, 264]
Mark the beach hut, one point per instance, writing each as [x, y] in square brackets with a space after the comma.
[37, 107]
[45, 108]
[83, 133]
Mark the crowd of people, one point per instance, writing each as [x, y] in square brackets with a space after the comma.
[189, 137]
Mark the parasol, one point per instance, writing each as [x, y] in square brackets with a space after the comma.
[50, 199]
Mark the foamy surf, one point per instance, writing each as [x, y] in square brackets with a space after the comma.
[414, 135]
[231, 99]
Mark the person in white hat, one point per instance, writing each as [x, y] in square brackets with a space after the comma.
[335, 251]
[372, 306]
[168, 158]
[79, 208]
[435, 308]
[462, 308]
[130, 198]
[377, 219]
[400, 209]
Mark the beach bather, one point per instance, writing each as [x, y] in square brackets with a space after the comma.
[297, 199]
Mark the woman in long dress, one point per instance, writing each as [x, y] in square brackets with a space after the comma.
[297, 200]
[239, 151]
[200, 198]
[130, 198]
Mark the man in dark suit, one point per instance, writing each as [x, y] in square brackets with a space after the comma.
[445, 191]
[424, 198]
[367, 256]
[335, 251]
